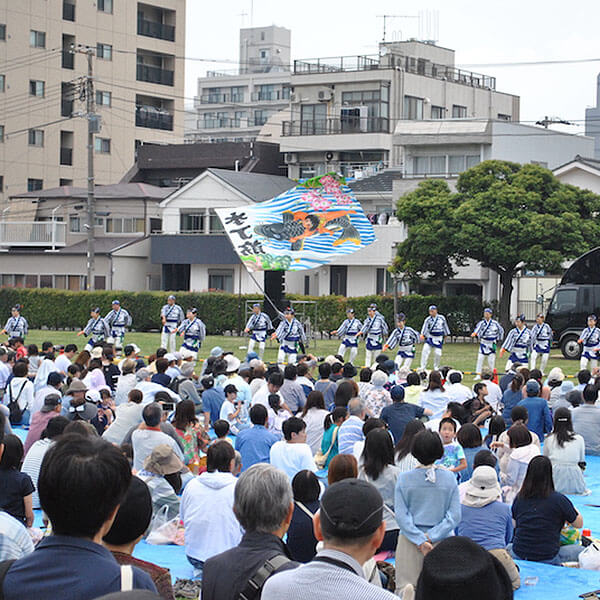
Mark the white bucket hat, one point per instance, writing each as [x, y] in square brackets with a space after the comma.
[483, 487]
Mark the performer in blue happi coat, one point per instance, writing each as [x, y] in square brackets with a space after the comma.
[590, 338]
[118, 320]
[171, 317]
[348, 334]
[193, 332]
[16, 326]
[435, 328]
[290, 333]
[257, 326]
[541, 341]
[96, 328]
[517, 342]
[374, 329]
[405, 338]
[490, 333]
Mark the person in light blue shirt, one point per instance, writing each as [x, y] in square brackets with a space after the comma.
[254, 444]
[351, 430]
[427, 508]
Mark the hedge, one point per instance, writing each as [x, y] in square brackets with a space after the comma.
[60, 309]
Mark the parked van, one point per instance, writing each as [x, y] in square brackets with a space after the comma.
[577, 296]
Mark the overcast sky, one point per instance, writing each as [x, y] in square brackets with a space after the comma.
[480, 32]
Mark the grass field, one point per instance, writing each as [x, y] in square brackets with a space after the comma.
[458, 355]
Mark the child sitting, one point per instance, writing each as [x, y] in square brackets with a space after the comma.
[454, 456]
[221, 429]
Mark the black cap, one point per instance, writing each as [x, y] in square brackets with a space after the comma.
[350, 509]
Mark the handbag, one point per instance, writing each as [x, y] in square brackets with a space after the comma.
[162, 529]
[320, 458]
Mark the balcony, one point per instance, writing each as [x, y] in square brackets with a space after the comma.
[67, 59]
[221, 98]
[335, 126]
[32, 233]
[156, 30]
[153, 74]
[68, 11]
[271, 96]
[66, 156]
[335, 65]
[152, 118]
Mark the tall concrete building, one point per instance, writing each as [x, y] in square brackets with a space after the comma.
[592, 121]
[232, 106]
[138, 87]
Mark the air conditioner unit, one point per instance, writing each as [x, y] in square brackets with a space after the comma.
[294, 98]
[325, 95]
[291, 158]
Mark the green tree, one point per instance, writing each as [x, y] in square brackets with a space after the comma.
[504, 215]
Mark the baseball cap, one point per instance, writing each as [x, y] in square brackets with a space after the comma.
[51, 401]
[397, 392]
[532, 387]
[116, 302]
[351, 508]
[170, 357]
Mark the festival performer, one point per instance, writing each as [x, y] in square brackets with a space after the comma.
[541, 340]
[435, 328]
[118, 320]
[290, 333]
[348, 334]
[171, 316]
[97, 328]
[490, 333]
[193, 332]
[257, 326]
[405, 338]
[517, 342]
[590, 338]
[16, 326]
[374, 329]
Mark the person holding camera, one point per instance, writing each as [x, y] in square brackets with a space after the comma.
[234, 410]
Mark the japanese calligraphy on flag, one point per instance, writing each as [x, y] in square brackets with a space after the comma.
[306, 227]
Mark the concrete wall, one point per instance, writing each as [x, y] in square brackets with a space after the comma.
[583, 179]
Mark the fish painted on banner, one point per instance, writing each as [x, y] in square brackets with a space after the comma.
[303, 228]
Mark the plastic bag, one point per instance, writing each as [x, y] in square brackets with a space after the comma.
[590, 558]
[569, 536]
[162, 529]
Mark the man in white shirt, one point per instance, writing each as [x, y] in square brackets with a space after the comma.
[149, 389]
[292, 454]
[273, 386]
[494, 396]
[4, 368]
[145, 440]
[63, 361]
[53, 385]
[207, 508]
[455, 390]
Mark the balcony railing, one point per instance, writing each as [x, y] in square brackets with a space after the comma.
[336, 126]
[68, 11]
[221, 98]
[271, 96]
[335, 64]
[67, 60]
[153, 119]
[157, 30]
[32, 233]
[66, 156]
[153, 74]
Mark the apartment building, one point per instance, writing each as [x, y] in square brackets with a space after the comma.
[138, 88]
[344, 109]
[233, 106]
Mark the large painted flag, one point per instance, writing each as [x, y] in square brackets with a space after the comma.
[306, 227]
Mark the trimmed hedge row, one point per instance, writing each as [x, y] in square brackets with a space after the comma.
[60, 309]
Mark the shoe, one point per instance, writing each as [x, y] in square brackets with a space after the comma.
[476, 377]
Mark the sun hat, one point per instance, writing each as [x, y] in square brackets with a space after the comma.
[77, 386]
[96, 352]
[556, 374]
[86, 411]
[170, 357]
[233, 363]
[482, 488]
[216, 351]
[163, 461]
[187, 369]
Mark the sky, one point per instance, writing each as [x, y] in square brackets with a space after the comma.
[482, 33]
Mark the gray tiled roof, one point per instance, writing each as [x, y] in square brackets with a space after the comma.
[382, 182]
[117, 190]
[256, 186]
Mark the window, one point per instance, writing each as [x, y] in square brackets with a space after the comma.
[45, 281]
[338, 279]
[191, 222]
[472, 160]
[413, 108]
[104, 51]
[99, 282]
[68, 11]
[240, 115]
[221, 280]
[1, 134]
[384, 282]
[125, 225]
[62, 182]
[307, 285]
[377, 103]
[459, 112]
[2, 82]
[437, 166]
[105, 6]
[260, 117]
[34, 185]
[262, 36]
[37, 88]
[102, 145]
[438, 112]
[564, 301]
[103, 98]
[237, 93]
[215, 223]
[456, 164]
[31, 281]
[2, 32]
[37, 39]
[36, 137]
[313, 119]
[75, 224]
[1, 183]
[503, 117]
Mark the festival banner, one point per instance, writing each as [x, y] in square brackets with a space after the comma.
[306, 227]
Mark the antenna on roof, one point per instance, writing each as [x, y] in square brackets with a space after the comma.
[386, 17]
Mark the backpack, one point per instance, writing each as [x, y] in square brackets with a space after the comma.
[175, 383]
[253, 589]
[15, 411]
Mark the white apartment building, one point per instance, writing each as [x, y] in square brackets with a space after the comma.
[138, 87]
[233, 106]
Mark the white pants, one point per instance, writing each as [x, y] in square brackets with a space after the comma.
[491, 360]
[353, 352]
[403, 362]
[283, 356]
[543, 360]
[437, 356]
[583, 363]
[261, 347]
[371, 357]
[168, 341]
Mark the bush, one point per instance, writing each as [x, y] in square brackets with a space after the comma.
[60, 309]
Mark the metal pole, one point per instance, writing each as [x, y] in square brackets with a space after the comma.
[89, 97]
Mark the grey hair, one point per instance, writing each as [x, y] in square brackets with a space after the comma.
[356, 407]
[262, 498]
[238, 459]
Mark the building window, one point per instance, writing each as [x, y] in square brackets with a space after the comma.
[437, 165]
[37, 39]
[2, 32]
[215, 224]
[36, 137]
[421, 165]
[472, 160]
[104, 51]
[240, 115]
[237, 93]
[384, 284]
[459, 112]
[1, 183]
[260, 117]
[438, 112]
[46, 281]
[68, 11]
[37, 88]
[338, 280]
[103, 98]
[2, 83]
[105, 6]
[313, 119]
[75, 224]
[102, 145]
[34, 185]
[221, 280]
[99, 282]
[307, 285]
[456, 164]
[124, 225]
[1, 134]
[62, 182]
[503, 117]
[413, 108]
[191, 222]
